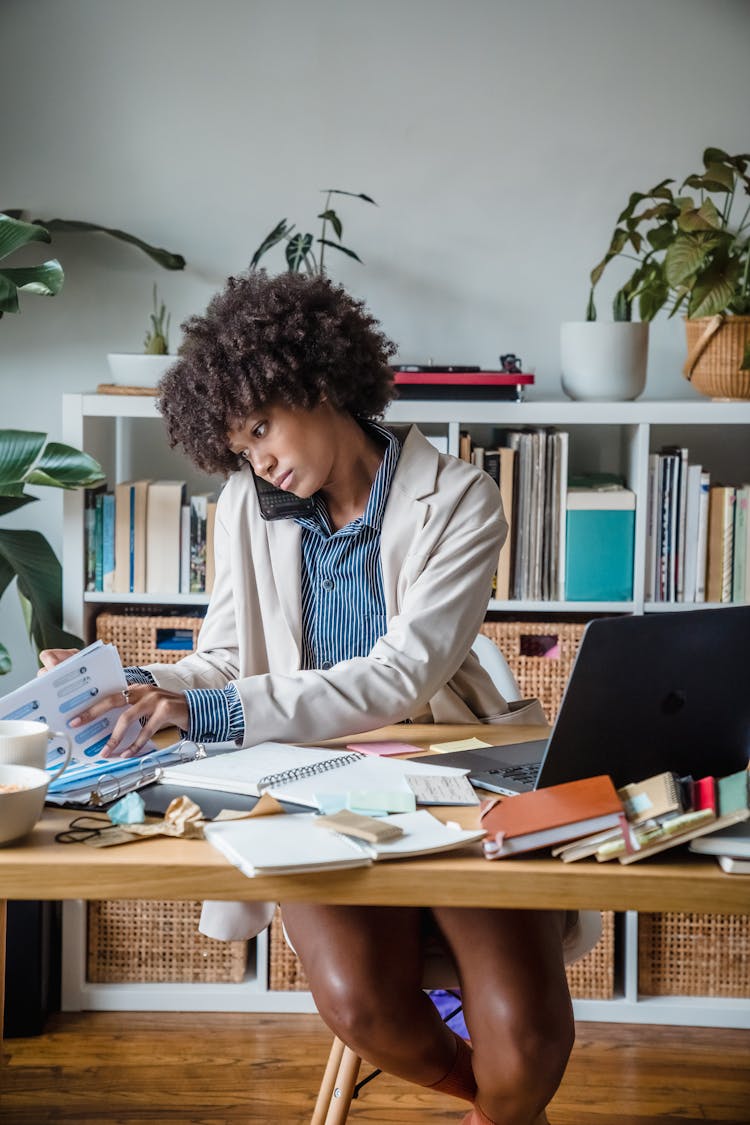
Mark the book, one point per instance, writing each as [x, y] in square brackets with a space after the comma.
[733, 865]
[702, 548]
[303, 775]
[550, 816]
[163, 516]
[692, 513]
[741, 533]
[600, 535]
[656, 796]
[734, 840]
[199, 503]
[210, 550]
[506, 459]
[294, 843]
[720, 543]
[185, 549]
[704, 793]
[131, 503]
[89, 531]
[108, 542]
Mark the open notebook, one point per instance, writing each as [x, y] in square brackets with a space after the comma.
[268, 845]
[299, 774]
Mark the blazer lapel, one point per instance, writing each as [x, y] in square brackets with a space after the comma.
[284, 546]
[406, 511]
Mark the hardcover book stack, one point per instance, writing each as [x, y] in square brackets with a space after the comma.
[698, 533]
[148, 537]
[531, 470]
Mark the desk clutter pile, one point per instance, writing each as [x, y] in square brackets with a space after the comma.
[681, 951]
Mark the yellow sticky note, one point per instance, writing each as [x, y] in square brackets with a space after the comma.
[460, 744]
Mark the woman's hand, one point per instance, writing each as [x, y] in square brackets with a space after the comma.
[155, 707]
[51, 657]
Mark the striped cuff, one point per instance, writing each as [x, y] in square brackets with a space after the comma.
[215, 714]
[139, 676]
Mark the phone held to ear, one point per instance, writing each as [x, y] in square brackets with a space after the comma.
[276, 504]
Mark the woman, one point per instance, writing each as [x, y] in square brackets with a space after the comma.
[356, 611]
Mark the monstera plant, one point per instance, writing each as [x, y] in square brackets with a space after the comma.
[25, 556]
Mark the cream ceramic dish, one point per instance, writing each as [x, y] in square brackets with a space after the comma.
[21, 808]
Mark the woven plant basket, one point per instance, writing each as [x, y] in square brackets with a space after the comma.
[716, 347]
[694, 955]
[136, 636]
[591, 978]
[157, 941]
[540, 655]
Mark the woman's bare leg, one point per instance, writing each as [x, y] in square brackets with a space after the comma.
[364, 965]
[517, 1007]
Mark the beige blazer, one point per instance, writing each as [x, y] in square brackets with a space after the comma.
[442, 530]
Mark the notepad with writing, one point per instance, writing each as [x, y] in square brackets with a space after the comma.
[300, 773]
[294, 843]
[550, 816]
[656, 796]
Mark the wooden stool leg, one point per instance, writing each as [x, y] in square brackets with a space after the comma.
[346, 1080]
[327, 1085]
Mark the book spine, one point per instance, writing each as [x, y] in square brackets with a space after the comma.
[652, 526]
[727, 554]
[99, 544]
[108, 542]
[739, 565]
[702, 548]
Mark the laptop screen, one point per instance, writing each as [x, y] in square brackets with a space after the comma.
[661, 691]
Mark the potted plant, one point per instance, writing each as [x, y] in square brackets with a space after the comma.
[299, 247]
[145, 369]
[692, 250]
[25, 556]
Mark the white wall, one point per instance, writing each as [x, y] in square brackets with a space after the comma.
[499, 138]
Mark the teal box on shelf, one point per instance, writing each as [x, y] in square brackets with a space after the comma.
[599, 545]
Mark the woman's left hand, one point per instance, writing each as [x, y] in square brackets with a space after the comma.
[156, 707]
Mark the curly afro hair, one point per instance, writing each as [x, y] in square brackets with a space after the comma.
[288, 340]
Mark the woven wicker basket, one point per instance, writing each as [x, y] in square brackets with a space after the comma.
[543, 676]
[716, 347]
[136, 636]
[157, 941]
[694, 955]
[591, 978]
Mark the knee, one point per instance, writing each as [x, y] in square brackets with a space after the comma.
[351, 1013]
[525, 1063]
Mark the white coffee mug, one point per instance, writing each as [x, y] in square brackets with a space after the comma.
[25, 743]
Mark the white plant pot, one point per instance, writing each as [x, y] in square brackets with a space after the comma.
[603, 361]
[129, 369]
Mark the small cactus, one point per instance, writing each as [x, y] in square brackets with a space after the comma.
[157, 337]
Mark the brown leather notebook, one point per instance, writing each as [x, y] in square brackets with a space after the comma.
[550, 816]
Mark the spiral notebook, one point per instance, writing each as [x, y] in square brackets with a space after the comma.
[300, 774]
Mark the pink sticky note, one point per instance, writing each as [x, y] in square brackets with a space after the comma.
[382, 749]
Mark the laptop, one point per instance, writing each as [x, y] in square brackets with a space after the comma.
[661, 691]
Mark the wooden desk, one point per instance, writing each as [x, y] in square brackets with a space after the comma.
[39, 868]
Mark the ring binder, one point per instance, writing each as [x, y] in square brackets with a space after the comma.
[311, 770]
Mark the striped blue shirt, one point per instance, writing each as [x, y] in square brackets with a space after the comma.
[343, 601]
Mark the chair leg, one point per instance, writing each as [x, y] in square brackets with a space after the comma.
[337, 1088]
[328, 1083]
[343, 1090]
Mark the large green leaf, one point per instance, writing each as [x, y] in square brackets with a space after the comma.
[705, 217]
[713, 292]
[281, 230]
[15, 233]
[19, 450]
[45, 280]
[39, 577]
[165, 258]
[5, 664]
[331, 217]
[684, 258]
[353, 194]
[62, 466]
[9, 503]
[338, 246]
[297, 249]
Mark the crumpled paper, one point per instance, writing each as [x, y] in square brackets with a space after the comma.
[182, 818]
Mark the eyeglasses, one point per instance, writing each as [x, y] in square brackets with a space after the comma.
[78, 830]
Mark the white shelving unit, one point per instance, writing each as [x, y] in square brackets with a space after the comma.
[125, 434]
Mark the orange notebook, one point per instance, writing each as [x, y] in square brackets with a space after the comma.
[550, 816]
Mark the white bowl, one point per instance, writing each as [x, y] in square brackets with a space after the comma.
[21, 809]
[129, 369]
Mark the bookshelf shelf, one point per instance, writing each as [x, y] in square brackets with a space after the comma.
[124, 433]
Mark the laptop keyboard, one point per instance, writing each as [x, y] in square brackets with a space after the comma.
[526, 772]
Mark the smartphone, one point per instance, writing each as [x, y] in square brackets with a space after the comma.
[276, 504]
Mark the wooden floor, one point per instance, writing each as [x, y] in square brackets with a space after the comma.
[195, 1069]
